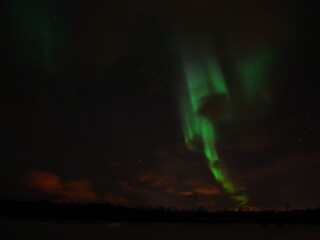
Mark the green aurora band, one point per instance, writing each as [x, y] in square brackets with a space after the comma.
[204, 81]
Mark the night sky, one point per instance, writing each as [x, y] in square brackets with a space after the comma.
[144, 103]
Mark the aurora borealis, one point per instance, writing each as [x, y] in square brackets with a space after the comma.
[205, 80]
[201, 82]
[146, 103]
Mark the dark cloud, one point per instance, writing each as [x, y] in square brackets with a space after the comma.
[284, 165]
[116, 199]
[166, 190]
[286, 179]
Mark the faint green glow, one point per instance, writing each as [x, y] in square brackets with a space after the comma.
[229, 187]
[253, 72]
[216, 78]
[203, 80]
[36, 32]
[242, 199]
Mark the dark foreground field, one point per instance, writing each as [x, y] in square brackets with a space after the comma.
[155, 231]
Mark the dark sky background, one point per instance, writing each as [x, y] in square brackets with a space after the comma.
[89, 108]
